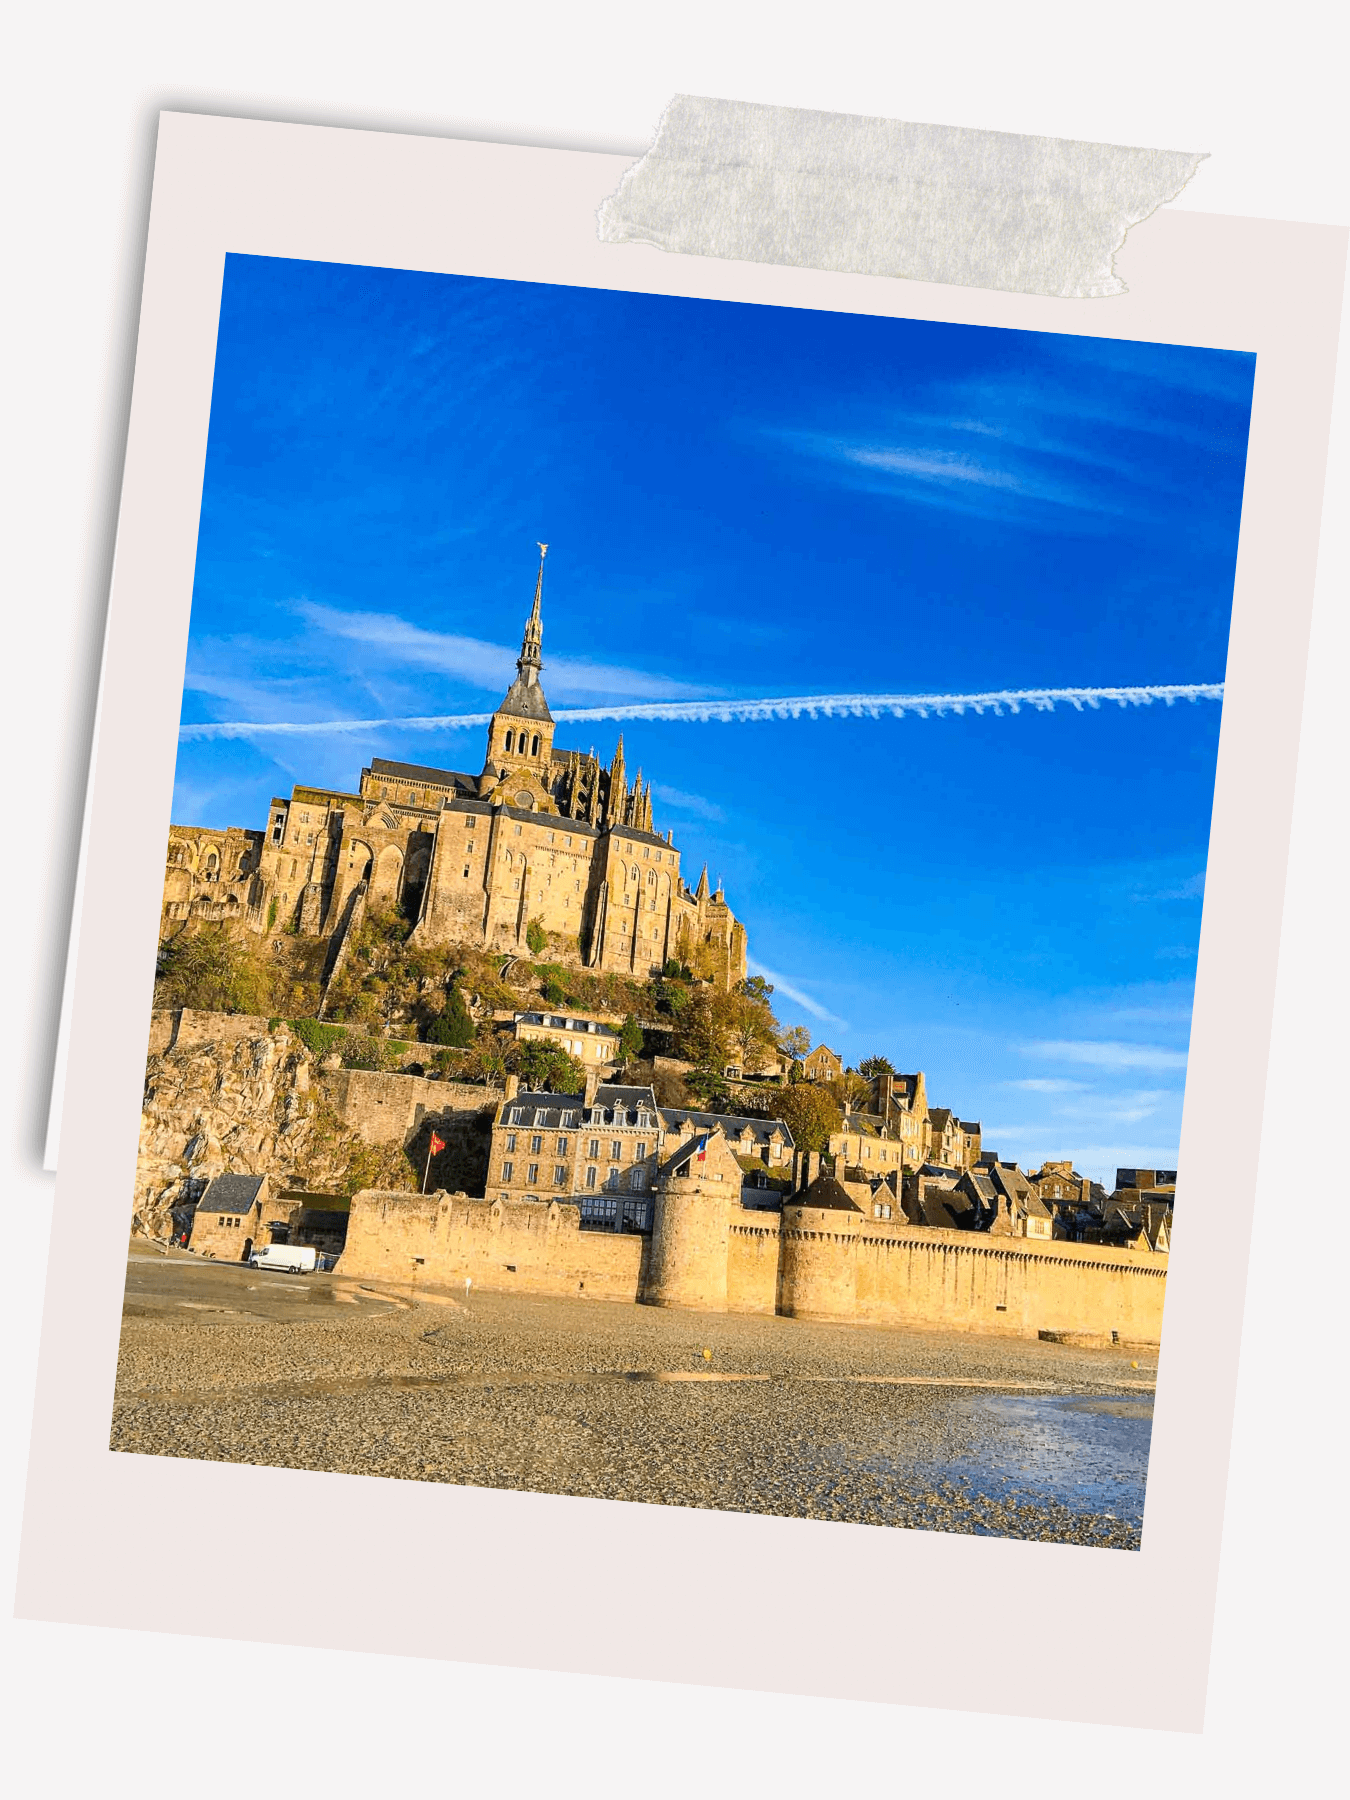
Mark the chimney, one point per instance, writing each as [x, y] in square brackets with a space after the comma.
[592, 1083]
[810, 1167]
[512, 1086]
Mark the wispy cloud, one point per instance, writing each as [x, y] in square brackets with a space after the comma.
[1106, 1055]
[782, 985]
[728, 711]
[690, 803]
[1042, 1085]
[474, 660]
[997, 481]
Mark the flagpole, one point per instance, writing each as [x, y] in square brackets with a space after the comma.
[427, 1171]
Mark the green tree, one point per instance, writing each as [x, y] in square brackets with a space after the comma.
[543, 1066]
[536, 937]
[630, 1040]
[876, 1065]
[751, 1027]
[214, 969]
[849, 1091]
[756, 988]
[702, 1034]
[795, 1042]
[486, 1060]
[453, 1026]
[810, 1114]
[709, 1088]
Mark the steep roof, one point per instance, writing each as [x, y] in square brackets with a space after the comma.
[826, 1194]
[947, 1208]
[525, 700]
[614, 1094]
[231, 1193]
[401, 771]
[675, 1117]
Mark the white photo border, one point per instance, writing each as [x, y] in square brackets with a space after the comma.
[535, 1580]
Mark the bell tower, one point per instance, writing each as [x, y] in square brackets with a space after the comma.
[520, 736]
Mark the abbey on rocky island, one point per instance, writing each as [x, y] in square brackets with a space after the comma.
[543, 836]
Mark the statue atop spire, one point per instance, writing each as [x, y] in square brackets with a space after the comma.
[531, 649]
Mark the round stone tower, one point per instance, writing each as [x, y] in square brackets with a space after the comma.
[817, 1271]
[698, 1189]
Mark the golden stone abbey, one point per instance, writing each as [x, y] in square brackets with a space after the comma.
[543, 836]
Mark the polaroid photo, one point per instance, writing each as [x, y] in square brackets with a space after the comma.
[679, 929]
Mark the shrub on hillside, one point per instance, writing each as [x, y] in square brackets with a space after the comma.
[453, 1026]
[216, 968]
[318, 1039]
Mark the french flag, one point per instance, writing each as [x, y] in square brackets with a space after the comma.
[702, 1149]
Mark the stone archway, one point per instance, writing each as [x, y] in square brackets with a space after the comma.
[386, 881]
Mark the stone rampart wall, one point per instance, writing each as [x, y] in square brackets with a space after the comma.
[181, 1026]
[435, 1241]
[752, 1263]
[814, 1265]
[914, 1275]
[387, 1109]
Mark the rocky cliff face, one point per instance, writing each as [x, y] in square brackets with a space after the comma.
[248, 1107]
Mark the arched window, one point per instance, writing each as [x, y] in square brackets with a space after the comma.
[510, 741]
[534, 745]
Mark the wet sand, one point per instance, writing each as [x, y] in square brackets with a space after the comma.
[929, 1430]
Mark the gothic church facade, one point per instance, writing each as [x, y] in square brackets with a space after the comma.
[543, 835]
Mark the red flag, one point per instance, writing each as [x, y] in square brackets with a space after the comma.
[437, 1144]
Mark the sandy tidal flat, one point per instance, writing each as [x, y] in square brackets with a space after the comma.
[767, 1415]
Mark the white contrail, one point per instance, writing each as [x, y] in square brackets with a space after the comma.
[726, 712]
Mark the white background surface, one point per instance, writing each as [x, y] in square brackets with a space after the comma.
[1256, 86]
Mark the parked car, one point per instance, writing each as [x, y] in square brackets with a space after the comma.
[294, 1259]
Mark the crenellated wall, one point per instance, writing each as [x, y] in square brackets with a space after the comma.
[816, 1264]
[435, 1241]
[752, 1262]
[898, 1274]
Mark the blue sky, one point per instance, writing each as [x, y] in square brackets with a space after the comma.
[747, 502]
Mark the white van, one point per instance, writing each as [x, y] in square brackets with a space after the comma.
[293, 1259]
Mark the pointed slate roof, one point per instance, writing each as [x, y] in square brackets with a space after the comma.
[826, 1194]
[230, 1193]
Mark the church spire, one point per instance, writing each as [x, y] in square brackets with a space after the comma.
[701, 892]
[531, 649]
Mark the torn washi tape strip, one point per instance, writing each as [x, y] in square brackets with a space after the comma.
[820, 190]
